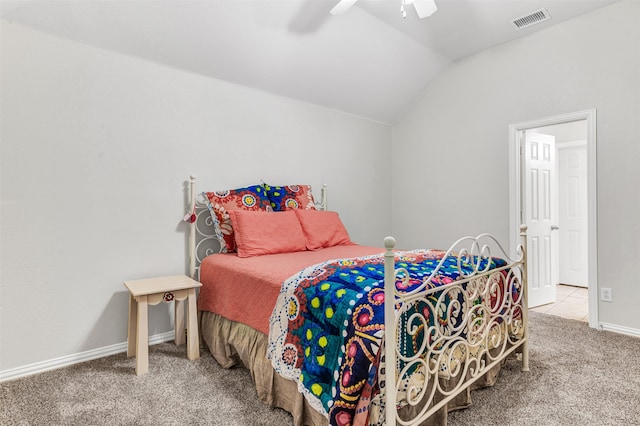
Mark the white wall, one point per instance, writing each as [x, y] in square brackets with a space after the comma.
[96, 151]
[592, 61]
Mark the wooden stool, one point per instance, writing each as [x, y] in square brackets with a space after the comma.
[151, 292]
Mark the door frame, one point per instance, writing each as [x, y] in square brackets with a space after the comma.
[515, 191]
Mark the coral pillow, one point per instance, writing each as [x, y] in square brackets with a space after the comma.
[322, 229]
[220, 203]
[290, 197]
[259, 233]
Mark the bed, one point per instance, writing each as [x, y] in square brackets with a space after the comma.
[311, 325]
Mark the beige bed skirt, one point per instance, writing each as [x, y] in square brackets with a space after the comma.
[234, 344]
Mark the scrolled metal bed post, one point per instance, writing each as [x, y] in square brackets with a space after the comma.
[390, 331]
[525, 299]
[192, 227]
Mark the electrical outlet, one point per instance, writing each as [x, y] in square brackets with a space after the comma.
[606, 295]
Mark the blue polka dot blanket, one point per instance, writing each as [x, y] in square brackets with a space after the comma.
[327, 327]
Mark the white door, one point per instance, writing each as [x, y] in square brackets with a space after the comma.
[573, 233]
[540, 209]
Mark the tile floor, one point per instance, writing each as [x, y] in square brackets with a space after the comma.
[571, 302]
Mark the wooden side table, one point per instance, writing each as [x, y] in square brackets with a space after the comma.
[151, 292]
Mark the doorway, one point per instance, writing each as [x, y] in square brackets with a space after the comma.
[552, 190]
[572, 211]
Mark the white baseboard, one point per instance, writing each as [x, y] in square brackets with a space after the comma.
[634, 332]
[42, 366]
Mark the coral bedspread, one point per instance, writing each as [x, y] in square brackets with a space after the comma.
[245, 289]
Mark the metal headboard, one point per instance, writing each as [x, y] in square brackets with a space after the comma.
[202, 238]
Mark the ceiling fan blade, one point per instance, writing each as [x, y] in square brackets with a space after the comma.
[425, 8]
[342, 7]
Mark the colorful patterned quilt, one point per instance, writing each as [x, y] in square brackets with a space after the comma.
[327, 327]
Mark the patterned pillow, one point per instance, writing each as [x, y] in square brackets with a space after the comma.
[290, 197]
[251, 198]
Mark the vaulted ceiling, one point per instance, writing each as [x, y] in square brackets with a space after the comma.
[368, 62]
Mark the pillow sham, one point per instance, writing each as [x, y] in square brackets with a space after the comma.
[259, 233]
[322, 229]
[220, 203]
[290, 197]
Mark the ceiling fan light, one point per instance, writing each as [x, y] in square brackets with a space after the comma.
[425, 8]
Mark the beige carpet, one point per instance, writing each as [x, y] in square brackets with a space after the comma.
[579, 376]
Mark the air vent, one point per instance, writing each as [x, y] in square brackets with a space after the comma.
[531, 19]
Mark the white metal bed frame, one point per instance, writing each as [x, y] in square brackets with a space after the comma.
[489, 331]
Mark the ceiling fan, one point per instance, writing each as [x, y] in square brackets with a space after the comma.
[424, 8]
